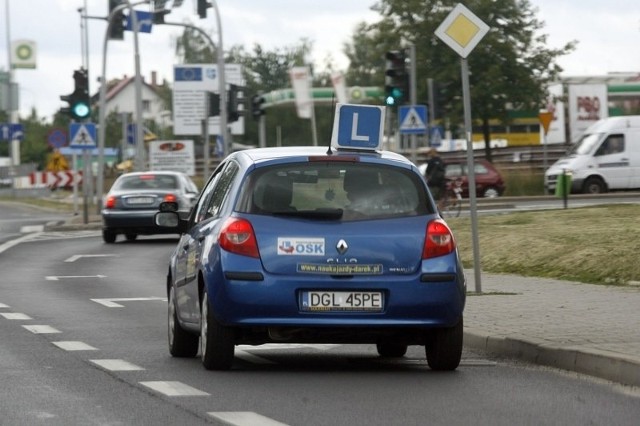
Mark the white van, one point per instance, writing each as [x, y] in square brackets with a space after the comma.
[607, 157]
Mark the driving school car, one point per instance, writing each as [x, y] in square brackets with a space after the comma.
[314, 245]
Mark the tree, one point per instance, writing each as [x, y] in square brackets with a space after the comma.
[509, 70]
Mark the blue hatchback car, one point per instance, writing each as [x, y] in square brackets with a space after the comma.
[309, 245]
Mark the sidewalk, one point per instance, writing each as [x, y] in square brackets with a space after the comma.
[591, 329]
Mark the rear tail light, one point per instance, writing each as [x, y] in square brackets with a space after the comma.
[237, 237]
[438, 240]
[170, 198]
[110, 202]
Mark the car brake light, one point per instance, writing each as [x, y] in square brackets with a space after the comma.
[170, 198]
[237, 237]
[110, 203]
[438, 240]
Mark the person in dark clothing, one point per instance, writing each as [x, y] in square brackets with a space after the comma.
[435, 174]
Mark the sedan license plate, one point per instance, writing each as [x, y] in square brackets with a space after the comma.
[140, 200]
[354, 301]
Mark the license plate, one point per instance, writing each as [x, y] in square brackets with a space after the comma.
[140, 200]
[342, 301]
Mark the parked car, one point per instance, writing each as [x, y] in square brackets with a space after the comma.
[305, 245]
[131, 203]
[489, 181]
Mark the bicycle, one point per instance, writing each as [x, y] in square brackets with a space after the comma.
[450, 205]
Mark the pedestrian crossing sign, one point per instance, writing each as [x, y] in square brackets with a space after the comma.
[83, 135]
[413, 119]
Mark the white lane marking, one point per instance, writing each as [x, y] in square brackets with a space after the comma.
[74, 346]
[116, 365]
[58, 277]
[31, 228]
[41, 329]
[6, 246]
[2, 305]
[16, 316]
[254, 359]
[79, 256]
[111, 302]
[244, 418]
[173, 388]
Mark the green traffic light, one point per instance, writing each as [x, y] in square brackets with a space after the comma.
[80, 110]
[390, 100]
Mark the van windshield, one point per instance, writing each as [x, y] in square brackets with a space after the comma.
[586, 144]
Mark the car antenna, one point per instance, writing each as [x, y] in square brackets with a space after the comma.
[333, 117]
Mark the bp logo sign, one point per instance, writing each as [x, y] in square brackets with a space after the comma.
[23, 54]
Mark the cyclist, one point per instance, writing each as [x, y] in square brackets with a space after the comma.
[435, 175]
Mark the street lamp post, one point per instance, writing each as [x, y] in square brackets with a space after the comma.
[103, 94]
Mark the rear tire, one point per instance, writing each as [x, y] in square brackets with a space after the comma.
[181, 343]
[391, 350]
[491, 192]
[452, 204]
[444, 348]
[217, 343]
[108, 236]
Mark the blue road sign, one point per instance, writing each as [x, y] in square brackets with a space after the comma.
[412, 119]
[358, 127]
[82, 135]
[11, 131]
[145, 21]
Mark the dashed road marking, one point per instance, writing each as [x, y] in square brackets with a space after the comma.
[16, 316]
[244, 418]
[59, 277]
[41, 329]
[2, 305]
[80, 256]
[74, 346]
[116, 365]
[173, 388]
[111, 302]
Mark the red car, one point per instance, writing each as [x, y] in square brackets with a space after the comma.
[489, 182]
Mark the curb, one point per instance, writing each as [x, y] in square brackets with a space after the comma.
[603, 364]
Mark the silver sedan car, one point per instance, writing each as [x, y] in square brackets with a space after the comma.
[131, 203]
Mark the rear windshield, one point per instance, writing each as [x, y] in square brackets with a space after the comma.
[150, 181]
[328, 190]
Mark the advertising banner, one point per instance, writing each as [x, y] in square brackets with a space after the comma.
[177, 156]
[588, 103]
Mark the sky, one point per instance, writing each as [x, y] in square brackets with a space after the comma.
[608, 35]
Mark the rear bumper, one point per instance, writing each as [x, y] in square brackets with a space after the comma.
[139, 222]
[418, 301]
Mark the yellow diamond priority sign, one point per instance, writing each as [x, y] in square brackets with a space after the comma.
[462, 30]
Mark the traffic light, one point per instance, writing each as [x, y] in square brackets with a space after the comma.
[257, 108]
[159, 10]
[118, 22]
[213, 104]
[203, 5]
[79, 104]
[235, 103]
[396, 86]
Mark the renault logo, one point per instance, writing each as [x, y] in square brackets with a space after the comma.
[342, 246]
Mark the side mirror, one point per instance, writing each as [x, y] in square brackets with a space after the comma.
[167, 219]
